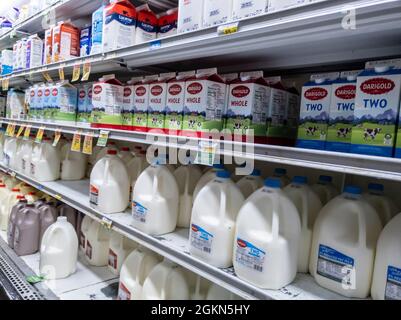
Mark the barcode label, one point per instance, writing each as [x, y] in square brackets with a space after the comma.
[139, 212]
[249, 255]
[201, 239]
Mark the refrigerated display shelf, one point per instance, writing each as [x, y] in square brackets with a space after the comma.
[174, 246]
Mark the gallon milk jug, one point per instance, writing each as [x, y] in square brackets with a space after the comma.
[92, 159]
[155, 201]
[216, 292]
[386, 283]
[31, 197]
[45, 162]
[213, 221]
[24, 151]
[198, 286]
[186, 177]
[383, 205]
[48, 215]
[119, 248]
[208, 176]
[125, 154]
[134, 271]
[282, 175]
[308, 205]
[249, 184]
[111, 145]
[344, 244]
[10, 152]
[166, 281]
[59, 250]
[109, 184]
[25, 188]
[13, 219]
[73, 164]
[135, 167]
[86, 223]
[267, 238]
[6, 206]
[27, 157]
[26, 234]
[97, 245]
[65, 210]
[325, 189]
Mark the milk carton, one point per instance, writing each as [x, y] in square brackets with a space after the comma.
[168, 23]
[292, 114]
[66, 102]
[247, 108]
[279, 5]
[34, 52]
[21, 54]
[314, 114]
[128, 103]
[89, 105]
[204, 102]
[341, 114]
[376, 110]
[31, 101]
[248, 8]
[15, 49]
[39, 101]
[85, 41]
[97, 29]
[175, 101]
[119, 25]
[65, 42]
[141, 103]
[83, 113]
[48, 45]
[107, 102]
[146, 25]
[6, 61]
[216, 12]
[157, 101]
[47, 102]
[189, 15]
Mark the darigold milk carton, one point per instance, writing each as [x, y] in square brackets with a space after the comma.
[341, 115]
[85, 41]
[205, 97]
[248, 8]
[141, 103]
[65, 42]
[314, 114]
[34, 52]
[119, 25]
[248, 101]
[158, 100]
[189, 15]
[377, 104]
[107, 101]
[128, 103]
[40, 92]
[146, 24]
[175, 102]
[66, 102]
[167, 23]
[216, 12]
[48, 45]
[84, 102]
[47, 102]
[32, 102]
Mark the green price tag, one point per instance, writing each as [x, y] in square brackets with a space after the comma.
[103, 137]
[35, 279]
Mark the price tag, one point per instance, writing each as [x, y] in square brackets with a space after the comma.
[20, 130]
[12, 174]
[57, 136]
[226, 29]
[86, 71]
[76, 142]
[107, 223]
[61, 71]
[206, 153]
[27, 132]
[88, 143]
[46, 75]
[5, 84]
[58, 197]
[11, 132]
[8, 129]
[103, 137]
[155, 45]
[35, 279]
[76, 72]
[39, 135]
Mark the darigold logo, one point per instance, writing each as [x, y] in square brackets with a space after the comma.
[194, 88]
[32, 93]
[97, 89]
[127, 92]
[82, 94]
[346, 92]
[241, 243]
[377, 86]
[240, 91]
[47, 92]
[156, 90]
[140, 91]
[316, 93]
[175, 89]
[54, 92]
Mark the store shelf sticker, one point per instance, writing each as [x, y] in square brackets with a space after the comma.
[11, 131]
[76, 72]
[107, 223]
[103, 137]
[61, 72]
[228, 28]
[27, 132]
[47, 76]
[86, 71]
[20, 130]
[57, 136]
[35, 279]
[88, 144]
[76, 141]
[206, 153]
[39, 135]
[154, 45]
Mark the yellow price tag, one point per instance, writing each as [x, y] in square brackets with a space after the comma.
[107, 223]
[20, 130]
[46, 75]
[227, 29]
[27, 132]
[86, 71]
[57, 136]
[8, 129]
[58, 197]
[12, 130]
[76, 72]
[76, 142]
[61, 72]
[88, 144]
[39, 135]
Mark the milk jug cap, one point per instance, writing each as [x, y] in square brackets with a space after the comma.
[376, 187]
[223, 174]
[274, 183]
[125, 149]
[256, 173]
[325, 179]
[353, 190]
[280, 171]
[300, 180]
[62, 219]
[20, 197]
[15, 190]
[2, 185]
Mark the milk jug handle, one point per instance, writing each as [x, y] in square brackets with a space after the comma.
[361, 227]
[156, 182]
[140, 267]
[106, 171]
[275, 220]
[165, 283]
[223, 202]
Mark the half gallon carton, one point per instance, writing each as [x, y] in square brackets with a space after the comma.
[377, 104]
[7, 61]
[65, 95]
[65, 42]
[85, 41]
[292, 113]
[205, 97]
[34, 52]
[158, 100]
[48, 46]
[47, 102]
[84, 102]
[189, 15]
[341, 115]
[168, 23]
[247, 109]
[32, 102]
[40, 92]
[128, 103]
[175, 102]
[216, 12]
[107, 101]
[314, 114]
[246, 8]
[146, 24]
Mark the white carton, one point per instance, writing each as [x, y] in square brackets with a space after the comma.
[6, 61]
[141, 103]
[34, 52]
[189, 15]
[248, 8]
[168, 23]
[216, 12]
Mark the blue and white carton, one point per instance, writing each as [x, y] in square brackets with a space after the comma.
[85, 41]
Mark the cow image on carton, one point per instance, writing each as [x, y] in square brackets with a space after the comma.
[146, 25]
[247, 106]
[107, 101]
[248, 8]
[216, 12]
[66, 102]
[175, 102]
[341, 114]
[65, 44]
[377, 104]
[47, 99]
[204, 102]
[167, 23]
[314, 113]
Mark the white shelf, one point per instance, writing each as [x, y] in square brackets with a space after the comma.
[174, 246]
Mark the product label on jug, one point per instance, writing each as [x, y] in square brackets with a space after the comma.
[94, 195]
[123, 292]
[334, 265]
[88, 250]
[82, 239]
[393, 285]
[139, 212]
[112, 259]
[249, 256]
[201, 239]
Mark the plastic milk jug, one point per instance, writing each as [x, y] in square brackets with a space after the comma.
[59, 250]
[134, 271]
[73, 164]
[125, 154]
[45, 162]
[155, 201]
[13, 219]
[48, 215]
[10, 152]
[325, 189]
[308, 205]
[249, 184]
[344, 244]
[27, 157]
[83, 234]
[206, 178]
[109, 184]
[3, 191]
[119, 248]
[166, 281]
[267, 238]
[70, 213]
[97, 245]
[111, 145]
[386, 283]
[7, 205]
[214, 215]
[282, 175]
[186, 177]
[383, 205]
[24, 152]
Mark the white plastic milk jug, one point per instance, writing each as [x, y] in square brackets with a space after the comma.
[59, 250]
[125, 154]
[119, 248]
[45, 162]
[213, 221]
[73, 164]
[344, 244]
[155, 201]
[282, 175]
[267, 238]
[134, 271]
[10, 152]
[6, 205]
[135, 167]
[166, 281]
[325, 189]
[3, 192]
[386, 283]
[24, 151]
[97, 245]
[111, 145]
[27, 157]
[186, 177]
[208, 176]
[109, 184]
[384, 206]
[308, 206]
[85, 224]
[249, 184]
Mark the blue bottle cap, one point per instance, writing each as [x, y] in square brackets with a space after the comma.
[300, 180]
[353, 190]
[218, 166]
[273, 183]
[224, 174]
[327, 179]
